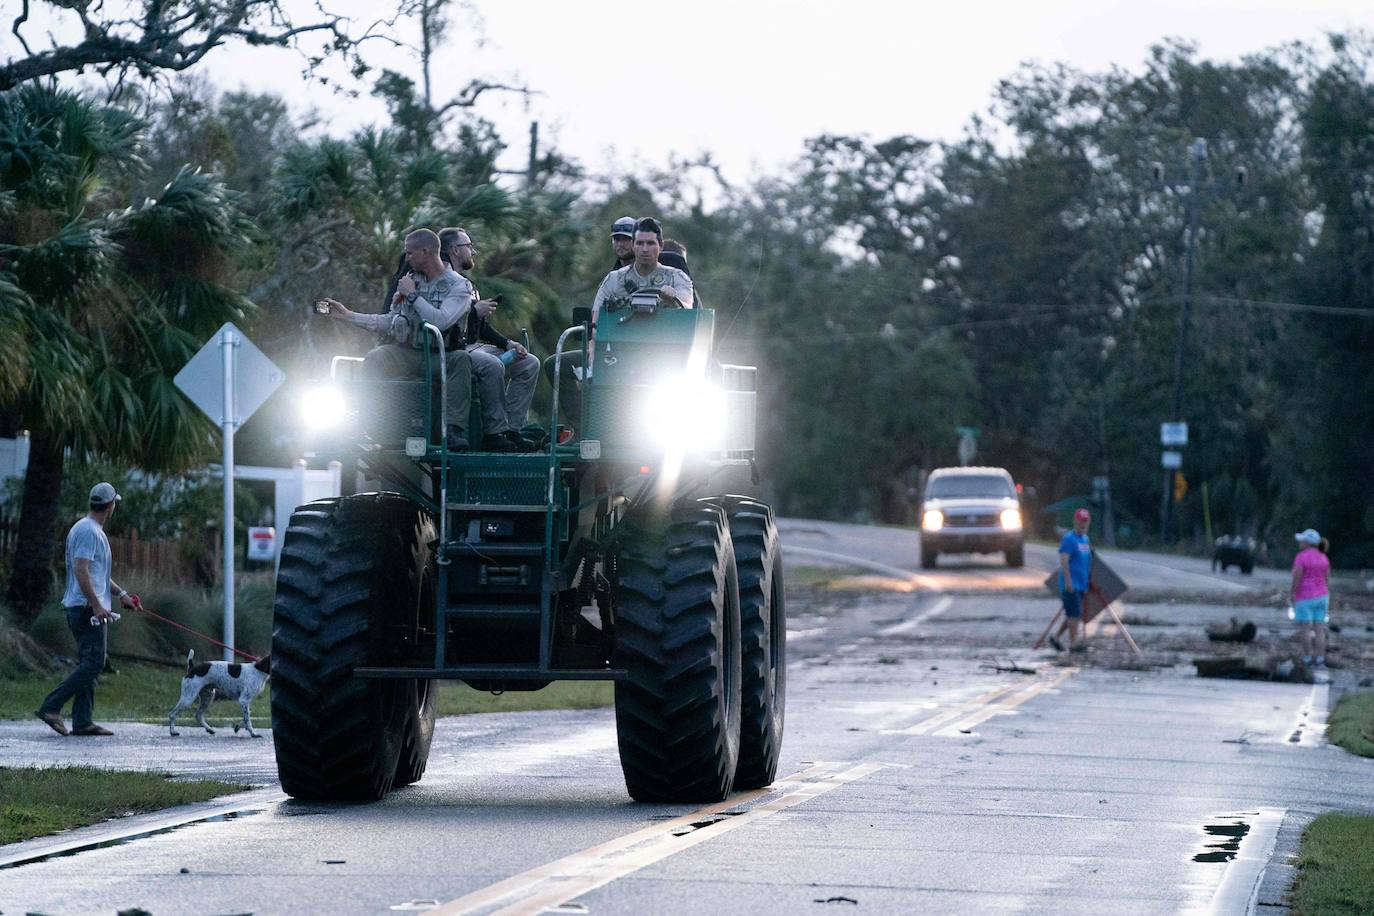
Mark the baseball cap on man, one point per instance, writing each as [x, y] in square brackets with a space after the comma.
[103, 494]
[1309, 536]
[1082, 515]
[624, 226]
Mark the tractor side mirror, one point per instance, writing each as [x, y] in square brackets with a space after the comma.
[582, 314]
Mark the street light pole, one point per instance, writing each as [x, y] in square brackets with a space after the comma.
[1195, 189]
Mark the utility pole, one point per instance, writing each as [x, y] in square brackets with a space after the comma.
[1195, 189]
[1200, 190]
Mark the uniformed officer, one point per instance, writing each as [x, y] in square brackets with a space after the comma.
[504, 371]
[673, 286]
[432, 293]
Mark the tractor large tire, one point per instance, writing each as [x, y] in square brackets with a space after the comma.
[678, 638]
[763, 638]
[419, 731]
[348, 590]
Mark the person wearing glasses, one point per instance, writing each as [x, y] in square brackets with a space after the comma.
[504, 371]
[623, 241]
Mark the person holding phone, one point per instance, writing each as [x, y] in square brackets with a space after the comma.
[504, 371]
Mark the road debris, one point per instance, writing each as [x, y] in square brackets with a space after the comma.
[1235, 631]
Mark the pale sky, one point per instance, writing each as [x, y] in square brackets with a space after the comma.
[750, 80]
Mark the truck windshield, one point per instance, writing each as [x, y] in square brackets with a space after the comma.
[972, 486]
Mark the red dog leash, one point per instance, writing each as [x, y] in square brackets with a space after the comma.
[138, 606]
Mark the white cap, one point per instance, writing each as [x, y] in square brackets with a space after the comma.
[102, 494]
[1309, 536]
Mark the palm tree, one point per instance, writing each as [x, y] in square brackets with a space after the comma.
[112, 301]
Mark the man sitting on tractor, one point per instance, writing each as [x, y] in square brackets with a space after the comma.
[643, 274]
[431, 293]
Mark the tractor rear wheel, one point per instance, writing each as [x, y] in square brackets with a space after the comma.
[763, 638]
[678, 638]
[348, 590]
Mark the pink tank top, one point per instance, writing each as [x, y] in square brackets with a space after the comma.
[1315, 568]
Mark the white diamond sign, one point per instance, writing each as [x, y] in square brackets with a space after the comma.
[254, 377]
[229, 379]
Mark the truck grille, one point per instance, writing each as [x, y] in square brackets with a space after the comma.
[979, 520]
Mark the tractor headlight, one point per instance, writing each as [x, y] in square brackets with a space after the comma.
[932, 520]
[322, 407]
[1011, 519]
[686, 414]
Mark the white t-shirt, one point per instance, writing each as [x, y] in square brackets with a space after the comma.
[87, 541]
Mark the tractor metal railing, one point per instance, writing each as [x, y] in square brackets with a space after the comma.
[443, 441]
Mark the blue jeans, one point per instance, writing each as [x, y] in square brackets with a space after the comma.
[80, 684]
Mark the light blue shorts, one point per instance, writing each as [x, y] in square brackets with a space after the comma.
[1312, 610]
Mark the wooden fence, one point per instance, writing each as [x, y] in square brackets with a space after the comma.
[135, 559]
[163, 562]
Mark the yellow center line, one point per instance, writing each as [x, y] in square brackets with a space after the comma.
[1007, 703]
[941, 718]
[548, 885]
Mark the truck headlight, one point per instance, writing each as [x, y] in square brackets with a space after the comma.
[685, 414]
[1011, 519]
[932, 520]
[322, 407]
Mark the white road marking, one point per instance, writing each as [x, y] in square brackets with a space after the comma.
[1309, 725]
[939, 607]
[894, 571]
[1240, 885]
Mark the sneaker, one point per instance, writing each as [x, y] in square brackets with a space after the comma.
[497, 442]
[1058, 646]
[91, 731]
[53, 720]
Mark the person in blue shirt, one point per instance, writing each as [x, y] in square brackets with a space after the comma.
[1075, 569]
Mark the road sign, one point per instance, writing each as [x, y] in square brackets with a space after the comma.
[229, 379]
[968, 443]
[262, 544]
[1173, 434]
[1171, 460]
[255, 377]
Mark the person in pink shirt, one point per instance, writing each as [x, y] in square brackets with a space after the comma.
[1311, 595]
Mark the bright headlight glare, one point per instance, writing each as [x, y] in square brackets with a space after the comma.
[933, 520]
[322, 407]
[1011, 519]
[685, 414]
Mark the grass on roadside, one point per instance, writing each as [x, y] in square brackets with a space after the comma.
[146, 693]
[38, 802]
[1335, 866]
[1351, 723]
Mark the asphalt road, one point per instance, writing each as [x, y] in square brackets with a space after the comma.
[920, 779]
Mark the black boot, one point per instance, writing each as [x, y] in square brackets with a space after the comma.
[455, 441]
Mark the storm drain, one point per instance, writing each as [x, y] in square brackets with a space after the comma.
[1223, 840]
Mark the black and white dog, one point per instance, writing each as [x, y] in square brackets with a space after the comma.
[229, 681]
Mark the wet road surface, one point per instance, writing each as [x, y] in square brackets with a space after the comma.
[921, 780]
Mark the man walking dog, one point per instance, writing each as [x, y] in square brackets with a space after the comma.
[87, 596]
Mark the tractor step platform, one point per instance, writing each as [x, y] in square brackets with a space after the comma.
[495, 673]
[494, 612]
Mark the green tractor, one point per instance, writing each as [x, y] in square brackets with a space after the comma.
[610, 557]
